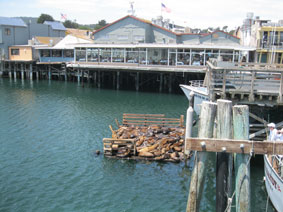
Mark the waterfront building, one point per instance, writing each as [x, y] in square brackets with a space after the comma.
[63, 51]
[138, 41]
[265, 36]
[21, 53]
[17, 31]
[12, 32]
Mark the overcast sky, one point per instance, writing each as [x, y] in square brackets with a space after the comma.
[192, 13]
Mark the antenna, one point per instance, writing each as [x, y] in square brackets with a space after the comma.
[131, 11]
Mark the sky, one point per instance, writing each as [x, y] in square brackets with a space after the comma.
[191, 13]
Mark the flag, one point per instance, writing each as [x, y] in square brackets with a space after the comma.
[63, 16]
[164, 8]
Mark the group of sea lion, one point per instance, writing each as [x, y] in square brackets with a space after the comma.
[154, 142]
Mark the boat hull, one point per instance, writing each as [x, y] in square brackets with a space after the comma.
[274, 185]
[200, 95]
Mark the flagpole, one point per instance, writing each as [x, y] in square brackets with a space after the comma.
[161, 8]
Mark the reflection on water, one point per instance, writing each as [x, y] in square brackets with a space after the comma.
[49, 133]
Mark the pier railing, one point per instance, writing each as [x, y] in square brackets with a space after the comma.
[152, 119]
[251, 84]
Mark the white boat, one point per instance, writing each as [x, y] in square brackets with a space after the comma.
[200, 93]
[274, 180]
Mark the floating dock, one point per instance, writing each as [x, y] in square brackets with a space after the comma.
[147, 137]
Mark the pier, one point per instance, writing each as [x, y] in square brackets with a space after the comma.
[105, 75]
[224, 129]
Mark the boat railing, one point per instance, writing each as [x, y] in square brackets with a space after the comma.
[197, 83]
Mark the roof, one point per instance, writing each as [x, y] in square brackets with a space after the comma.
[55, 25]
[12, 22]
[47, 40]
[69, 40]
[80, 33]
[149, 22]
[138, 19]
[173, 46]
[220, 32]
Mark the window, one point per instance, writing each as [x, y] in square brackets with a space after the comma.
[69, 53]
[15, 52]
[7, 31]
[139, 38]
[45, 53]
[105, 37]
[122, 37]
[56, 53]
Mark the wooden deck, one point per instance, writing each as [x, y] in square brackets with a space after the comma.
[246, 83]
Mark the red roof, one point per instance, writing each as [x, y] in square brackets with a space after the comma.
[162, 28]
[138, 19]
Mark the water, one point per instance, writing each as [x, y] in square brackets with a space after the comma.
[49, 132]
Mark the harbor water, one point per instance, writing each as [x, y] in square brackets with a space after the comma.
[49, 132]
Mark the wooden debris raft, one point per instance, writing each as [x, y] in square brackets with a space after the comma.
[147, 136]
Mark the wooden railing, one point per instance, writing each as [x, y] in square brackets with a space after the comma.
[152, 119]
[246, 81]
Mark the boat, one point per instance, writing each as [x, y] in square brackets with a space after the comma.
[273, 169]
[200, 93]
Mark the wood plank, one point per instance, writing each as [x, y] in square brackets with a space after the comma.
[153, 118]
[119, 139]
[146, 115]
[255, 117]
[148, 121]
[234, 146]
[148, 124]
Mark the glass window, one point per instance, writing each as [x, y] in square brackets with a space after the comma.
[139, 38]
[15, 52]
[69, 53]
[80, 55]
[45, 53]
[92, 55]
[105, 55]
[123, 37]
[7, 31]
[105, 37]
[118, 55]
[56, 53]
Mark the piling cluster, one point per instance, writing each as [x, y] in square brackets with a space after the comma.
[150, 142]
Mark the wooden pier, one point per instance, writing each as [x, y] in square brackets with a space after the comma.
[227, 133]
[246, 83]
[105, 75]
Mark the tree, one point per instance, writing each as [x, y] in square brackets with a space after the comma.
[71, 24]
[225, 28]
[100, 24]
[44, 17]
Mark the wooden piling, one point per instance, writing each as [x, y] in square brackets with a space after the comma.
[78, 76]
[30, 72]
[49, 72]
[161, 82]
[242, 165]
[137, 81]
[189, 120]
[224, 160]
[118, 80]
[206, 124]
[83, 75]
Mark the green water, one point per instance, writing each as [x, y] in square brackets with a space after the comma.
[49, 132]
